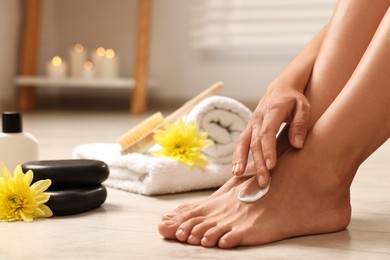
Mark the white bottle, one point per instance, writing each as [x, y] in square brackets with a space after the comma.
[16, 147]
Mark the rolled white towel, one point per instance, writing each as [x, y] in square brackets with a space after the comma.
[224, 119]
[148, 175]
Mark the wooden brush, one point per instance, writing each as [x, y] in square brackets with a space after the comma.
[140, 138]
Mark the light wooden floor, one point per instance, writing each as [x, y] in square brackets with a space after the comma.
[125, 227]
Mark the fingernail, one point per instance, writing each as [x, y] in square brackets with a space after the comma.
[180, 231]
[236, 168]
[299, 139]
[204, 241]
[261, 180]
[269, 164]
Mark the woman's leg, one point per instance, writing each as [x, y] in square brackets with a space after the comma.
[347, 39]
[351, 29]
[333, 68]
[207, 223]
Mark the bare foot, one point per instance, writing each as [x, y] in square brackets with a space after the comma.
[283, 146]
[306, 197]
[231, 183]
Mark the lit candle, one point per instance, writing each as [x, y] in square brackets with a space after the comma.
[88, 71]
[110, 65]
[98, 58]
[77, 57]
[56, 68]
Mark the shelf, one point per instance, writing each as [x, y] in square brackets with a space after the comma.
[41, 81]
[29, 60]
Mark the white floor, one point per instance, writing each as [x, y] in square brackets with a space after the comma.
[125, 227]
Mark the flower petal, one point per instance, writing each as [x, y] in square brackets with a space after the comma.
[18, 170]
[4, 172]
[41, 198]
[20, 184]
[45, 210]
[27, 217]
[28, 176]
[41, 186]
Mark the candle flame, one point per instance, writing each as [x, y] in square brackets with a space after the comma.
[88, 65]
[110, 53]
[57, 61]
[100, 51]
[79, 48]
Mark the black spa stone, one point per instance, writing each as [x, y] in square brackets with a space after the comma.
[69, 173]
[76, 201]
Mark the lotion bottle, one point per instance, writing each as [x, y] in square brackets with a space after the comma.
[16, 146]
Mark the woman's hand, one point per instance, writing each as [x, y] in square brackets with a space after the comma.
[281, 103]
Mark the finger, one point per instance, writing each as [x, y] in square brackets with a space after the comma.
[275, 117]
[241, 152]
[258, 159]
[300, 123]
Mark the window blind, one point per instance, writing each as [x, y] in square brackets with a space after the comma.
[266, 24]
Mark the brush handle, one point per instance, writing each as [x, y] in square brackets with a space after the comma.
[190, 104]
[145, 142]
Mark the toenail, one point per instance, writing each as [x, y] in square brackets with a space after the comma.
[222, 243]
[191, 238]
[204, 241]
[180, 231]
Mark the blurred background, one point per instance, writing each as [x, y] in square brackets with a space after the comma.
[190, 45]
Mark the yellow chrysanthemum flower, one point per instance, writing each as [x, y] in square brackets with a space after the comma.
[183, 143]
[19, 201]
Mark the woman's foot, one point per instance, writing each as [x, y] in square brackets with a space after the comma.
[231, 183]
[309, 193]
[306, 197]
[283, 146]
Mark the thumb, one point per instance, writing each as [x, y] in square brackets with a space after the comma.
[300, 123]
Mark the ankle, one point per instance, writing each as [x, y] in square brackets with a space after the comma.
[335, 172]
[337, 155]
[333, 188]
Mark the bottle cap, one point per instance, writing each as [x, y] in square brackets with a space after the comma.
[12, 122]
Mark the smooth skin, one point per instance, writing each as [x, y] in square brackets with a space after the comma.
[315, 72]
[349, 89]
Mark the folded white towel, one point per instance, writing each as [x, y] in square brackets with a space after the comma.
[149, 175]
[224, 119]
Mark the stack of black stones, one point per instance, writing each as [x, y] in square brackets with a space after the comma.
[76, 184]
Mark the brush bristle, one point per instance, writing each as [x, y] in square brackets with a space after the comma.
[141, 130]
[141, 137]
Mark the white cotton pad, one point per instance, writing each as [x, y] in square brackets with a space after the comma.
[252, 192]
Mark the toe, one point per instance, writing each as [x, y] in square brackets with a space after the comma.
[182, 208]
[230, 239]
[168, 216]
[185, 229]
[193, 240]
[212, 236]
[200, 229]
[168, 228]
